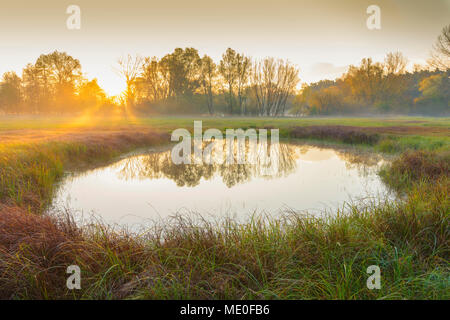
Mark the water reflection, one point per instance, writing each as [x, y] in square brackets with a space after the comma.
[160, 165]
[150, 186]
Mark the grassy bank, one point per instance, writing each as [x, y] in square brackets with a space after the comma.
[29, 170]
[298, 257]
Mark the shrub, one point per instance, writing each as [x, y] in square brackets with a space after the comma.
[346, 134]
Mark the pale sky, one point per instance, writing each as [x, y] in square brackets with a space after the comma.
[322, 37]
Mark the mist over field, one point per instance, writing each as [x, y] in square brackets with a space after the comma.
[241, 150]
[386, 58]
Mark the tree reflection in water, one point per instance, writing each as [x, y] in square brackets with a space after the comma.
[159, 165]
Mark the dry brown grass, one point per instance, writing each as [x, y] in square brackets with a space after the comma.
[307, 258]
[355, 133]
[423, 165]
[30, 169]
[27, 136]
[346, 134]
[32, 250]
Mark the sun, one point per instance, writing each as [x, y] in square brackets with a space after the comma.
[107, 78]
[112, 84]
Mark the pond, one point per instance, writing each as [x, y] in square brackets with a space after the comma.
[148, 186]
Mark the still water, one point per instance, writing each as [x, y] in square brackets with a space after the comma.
[147, 186]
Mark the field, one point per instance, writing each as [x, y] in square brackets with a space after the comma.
[298, 257]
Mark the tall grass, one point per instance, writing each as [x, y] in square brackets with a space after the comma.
[297, 257]
[413, 167]
[29, 171]
[294, 257]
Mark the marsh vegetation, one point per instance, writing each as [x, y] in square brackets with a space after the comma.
[293, 256]
[148, 186]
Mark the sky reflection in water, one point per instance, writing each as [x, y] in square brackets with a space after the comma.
[150, 186]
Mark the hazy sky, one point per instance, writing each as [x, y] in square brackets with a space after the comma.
[321, 36]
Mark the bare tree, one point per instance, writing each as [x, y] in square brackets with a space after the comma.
[395, 63]
[273, 81]
[129, 68]
[440, 55]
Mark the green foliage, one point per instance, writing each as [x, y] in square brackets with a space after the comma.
[435, 96]
[298, 256]
[10, 92]
[375, 88]
[397, 144]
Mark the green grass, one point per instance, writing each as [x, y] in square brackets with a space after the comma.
[30, 122]
[295, 257]
[394, 144]
[30, 170]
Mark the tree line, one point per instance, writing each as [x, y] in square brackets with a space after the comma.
[53, 84]
[179, 82]
[183, 82]
[378, 88]
[384, 87]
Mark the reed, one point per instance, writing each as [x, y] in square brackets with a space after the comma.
[297, 256]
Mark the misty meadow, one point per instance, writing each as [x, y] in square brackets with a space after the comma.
[345, 198]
